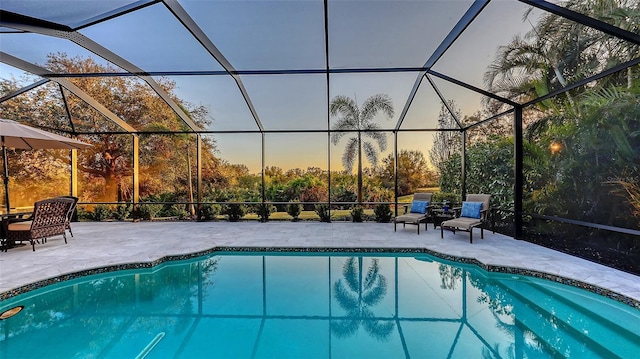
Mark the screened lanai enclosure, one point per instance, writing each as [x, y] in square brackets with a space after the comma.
[256, 109]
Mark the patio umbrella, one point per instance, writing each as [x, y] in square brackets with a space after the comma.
[16, 135]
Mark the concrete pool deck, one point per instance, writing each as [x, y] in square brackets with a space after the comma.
[109, 244]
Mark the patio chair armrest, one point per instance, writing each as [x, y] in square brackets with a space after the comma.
[406, 208]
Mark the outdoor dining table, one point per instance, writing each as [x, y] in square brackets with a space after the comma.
[6, 219]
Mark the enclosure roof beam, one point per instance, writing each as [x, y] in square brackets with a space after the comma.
[457, 30]
[472, 88]
[21, 22]
[64, 32]
[126, 9]
[23, 90]
[585, 20]
[256, 131]
[186, 20]
[66, 108]
[480, 123]
[444, 101]
[40, 71]
[585, 81]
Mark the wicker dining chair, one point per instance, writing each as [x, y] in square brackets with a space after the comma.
[70, 213]
[48, 220]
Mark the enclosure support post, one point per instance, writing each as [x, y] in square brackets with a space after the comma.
[463, 166]
[518, 173]
[198, 176]
[329, 170]
[74, 173]
[263, 192]
[328, 77]
[136, 169]
[395, 171]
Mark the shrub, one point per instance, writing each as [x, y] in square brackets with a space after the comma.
[294, 209]
[83, 213]
[180, 211]
[234, 211]
[357, 213]
[322, 210]
[174, 210]
[264, 211]
[101, 212]
[383, 213]
[341, 194]
[149, 211]
[209, 211]
[122, 212]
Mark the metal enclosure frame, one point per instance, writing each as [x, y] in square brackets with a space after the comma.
[24, 23]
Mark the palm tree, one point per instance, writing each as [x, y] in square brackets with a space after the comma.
[357, 119]
[357, 297]
[558, 52]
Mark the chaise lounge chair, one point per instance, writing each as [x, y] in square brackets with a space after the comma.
[419, 212]
[473, 213]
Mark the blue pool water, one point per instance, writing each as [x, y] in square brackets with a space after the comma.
[274, 305]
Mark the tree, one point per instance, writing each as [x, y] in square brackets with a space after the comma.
[106, 167]
[357, 119]
[413, 172]
[599, 156]
[35, 174]
[558, 52]
[445, 143]
[595, 126]
[489, 170]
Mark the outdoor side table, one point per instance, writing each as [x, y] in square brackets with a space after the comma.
[438, 215]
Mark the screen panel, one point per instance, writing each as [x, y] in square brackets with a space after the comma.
[54, 54]
[392, 34]
[215, 102]
[266, 35]
[289, 102]
[473, 52]
[60, 11]
[163, 44]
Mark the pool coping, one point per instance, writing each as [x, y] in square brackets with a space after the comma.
[459, 259]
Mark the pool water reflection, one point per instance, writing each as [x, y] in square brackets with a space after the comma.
[275, 305]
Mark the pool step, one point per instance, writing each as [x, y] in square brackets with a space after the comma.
[559, 311]
[558, 339]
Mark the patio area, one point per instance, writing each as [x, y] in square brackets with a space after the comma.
[98, 245]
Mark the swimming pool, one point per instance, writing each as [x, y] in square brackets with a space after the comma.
[279, 305]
